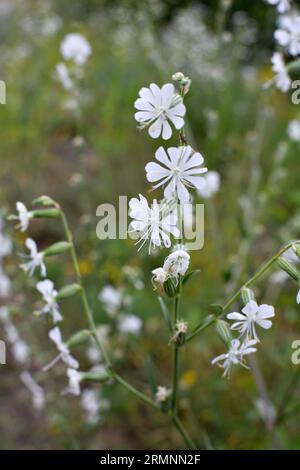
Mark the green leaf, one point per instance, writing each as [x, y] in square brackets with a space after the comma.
[166, 314]
[189, 275]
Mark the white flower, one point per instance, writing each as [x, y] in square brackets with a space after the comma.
[180, 167]
[20, 351]
[130, 324]
[46, 288]
[293, 130]
[159, 276]
[162, 394]
[111, 298]
[75, 47]
[283, 81]
[5, 284]
[64, 353]
[211, 186]
[235, 355]
[5, 243]
[298, 297]
[291, 256]
[289, 34]
[36, 259]
[282, 5]
[157, 106]
[23, 216]
[63, 76]
[75, 378]
[92, 405]
[177, 263]
[251, 314]
[38, 395]
[151, 223]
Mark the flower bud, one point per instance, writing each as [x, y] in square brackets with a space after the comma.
[57, 248]
[68, 291]
[45, 201]
[223, 331]
[296, 249]
[41, 213]
[289, 268]
[247, 295]
[170, 287]
[99, 376]
[78, 338]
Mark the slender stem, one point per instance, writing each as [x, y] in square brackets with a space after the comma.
[84, 299]
[135, 392]
[176, 358]
[178, 424]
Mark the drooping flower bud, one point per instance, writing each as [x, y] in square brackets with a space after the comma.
[289, 268]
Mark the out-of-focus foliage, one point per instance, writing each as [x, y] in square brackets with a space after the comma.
[239, 127]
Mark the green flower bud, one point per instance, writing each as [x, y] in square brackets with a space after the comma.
[223, 331]
[45, 201]
[48, 213]
[79, 338]
[247, 295]
[289, 268]
[57, 248]
[296, 249]
[170, 287]
[100, 376]
[68, 291]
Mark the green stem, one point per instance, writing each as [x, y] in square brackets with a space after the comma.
[176, 359]
[84, 299]
[91, 321]
[178, 424]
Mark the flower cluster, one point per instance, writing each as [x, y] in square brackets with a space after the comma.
[287, 35]
[245, 323]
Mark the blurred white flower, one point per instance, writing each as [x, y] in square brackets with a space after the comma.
[211, 186]
[180, 167]
[20, 351]
[5, 243]
[23, 216]
[5, 284]
[282, 5]
[150, 222]
[162, 394]
[38, 395]
[46, 288]
[235, 355]
[283, 81]
[62, 74]
[111, 298]
[279, 277]
[64, 353]
[36, 259]
[293, 130]
[288, 34]
[75, 378]
[92, 404]
[75, 47]
[157, 106]
[130, 323]
[252, 314]
[177, 263]
[291, 256]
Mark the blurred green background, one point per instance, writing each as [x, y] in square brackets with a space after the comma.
[93, 154]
